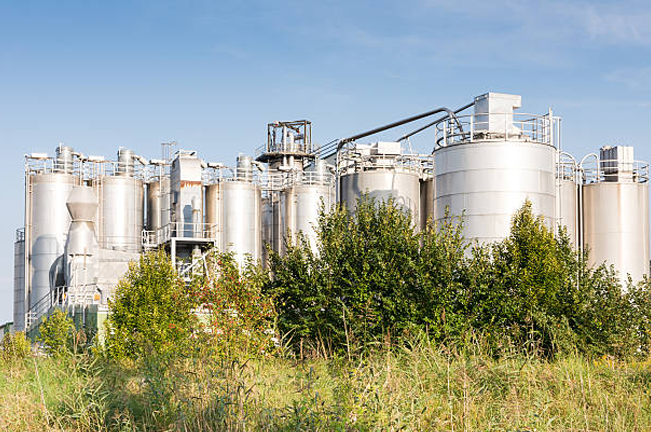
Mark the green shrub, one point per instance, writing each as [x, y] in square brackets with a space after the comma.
[150, 310]
[57, 333]
[373, 276]
[15, 346]
[240, 318]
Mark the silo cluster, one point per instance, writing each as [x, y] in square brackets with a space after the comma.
[87, 217]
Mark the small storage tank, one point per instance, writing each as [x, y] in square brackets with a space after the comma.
[381, 171]
[214, 204]
[426, 200]
[48, 220]
[158, 204]
[121, 206]
[242, 213]
[616, 212]
[302, 201]
[19, 281]
[272, 229]
[488, 167]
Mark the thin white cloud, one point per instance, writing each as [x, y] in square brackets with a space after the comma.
[638, 79]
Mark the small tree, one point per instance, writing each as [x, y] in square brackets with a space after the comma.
[57, 333]
[240, 317]
[15, 346]
[151, 309]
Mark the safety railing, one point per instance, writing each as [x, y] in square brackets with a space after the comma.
[351, 160]
[497, 126]
[186, 230]
[597, 170]
[20, 234]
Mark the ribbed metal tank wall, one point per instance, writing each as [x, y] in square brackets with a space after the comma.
[48, 224]
[490, 181]
[19, 285]
[401, 185]
[121, 212]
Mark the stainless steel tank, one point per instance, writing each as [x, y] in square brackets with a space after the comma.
[272, 226]
[383, 183]
[426, 201]
[616, 226]
[47, 224]
[488, 181]
[19, 284]
[121, 212]
[241, 216]
[214, 204]
[616, 212]
[158, 204]
[301, 205]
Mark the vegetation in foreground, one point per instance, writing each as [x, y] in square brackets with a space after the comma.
[382, 329]
[415, 387]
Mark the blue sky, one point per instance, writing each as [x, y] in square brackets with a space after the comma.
[97, 75]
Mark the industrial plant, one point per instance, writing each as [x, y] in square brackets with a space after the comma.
[88, 217]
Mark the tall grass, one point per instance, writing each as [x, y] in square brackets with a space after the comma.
[413, 387]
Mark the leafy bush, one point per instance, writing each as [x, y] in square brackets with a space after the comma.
[240, 319]
[151, 310]
[374, 276]
[15, 346]
[57, 333]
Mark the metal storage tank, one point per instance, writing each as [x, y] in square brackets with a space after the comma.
[488, 169]
[242, 214]
[214, 210]
[616, 212]
[301, 202]
[568, 197]
[426, 201]
[48, 224]
[378, 170]
[19, 281]
[272, 230]
[158, 204]
[121, 206]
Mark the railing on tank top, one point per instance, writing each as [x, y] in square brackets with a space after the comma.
[604, 170]
[498, 126]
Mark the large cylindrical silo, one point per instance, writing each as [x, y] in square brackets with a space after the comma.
[121, 212]
[48, 224]
[616, 214]
[488, 181]
[489, 163]
[241, 217]
[401, 185]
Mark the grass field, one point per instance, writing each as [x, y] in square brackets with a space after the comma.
[414, 388]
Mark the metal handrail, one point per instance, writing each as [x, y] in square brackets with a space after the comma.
[497, 126]
[186, 230]
[351, 160]
[602, 170]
